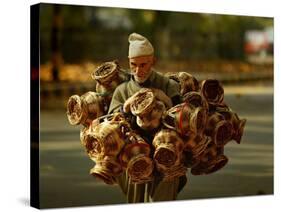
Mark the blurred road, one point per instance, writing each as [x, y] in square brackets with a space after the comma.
[64, 178]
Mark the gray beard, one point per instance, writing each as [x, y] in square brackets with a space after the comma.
[138, 80]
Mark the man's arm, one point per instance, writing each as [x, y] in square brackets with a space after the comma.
[117, 100]
[170, 87]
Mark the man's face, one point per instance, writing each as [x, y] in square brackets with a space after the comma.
[141, 67]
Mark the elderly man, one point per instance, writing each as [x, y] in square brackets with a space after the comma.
[141, 61]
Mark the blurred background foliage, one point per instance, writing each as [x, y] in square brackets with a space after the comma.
[88, 34]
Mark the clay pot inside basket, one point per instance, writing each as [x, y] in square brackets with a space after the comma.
[195, 99]
[76, 110]
[194, 149]
[219, 129]
[93, 146]
[212, 90]
[140, 168]
[217, 164]
[106, 169]
[83, 110]
[185, 119]
[106, 72]
[212, 160]
[135, 158]
[168, 149]
[237, 124]
[239, 130]
[210, 166]
[152, 119]
[110, 137]
[135, 145]
[143, 102]
[187, 82]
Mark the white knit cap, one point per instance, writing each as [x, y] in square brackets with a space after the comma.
[139, 46]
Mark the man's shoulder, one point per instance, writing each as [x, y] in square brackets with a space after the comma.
[122, 86]
[161, 77]
[159, 74]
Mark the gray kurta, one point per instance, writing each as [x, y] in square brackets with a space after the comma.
[156, 190]
[127, 89]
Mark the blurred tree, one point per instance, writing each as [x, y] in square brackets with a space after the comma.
[162, 33]
[55, 42]
[77, 36]
[100, 33]
[231, 31]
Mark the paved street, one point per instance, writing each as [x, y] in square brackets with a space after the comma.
[64, 178]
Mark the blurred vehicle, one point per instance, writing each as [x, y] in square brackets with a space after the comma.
[259, 45]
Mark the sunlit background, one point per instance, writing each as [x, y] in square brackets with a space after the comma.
[237, 50]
